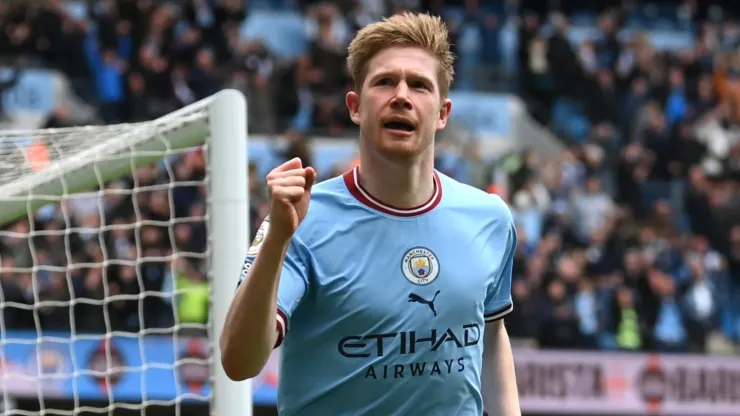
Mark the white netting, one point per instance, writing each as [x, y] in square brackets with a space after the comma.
[104, 289]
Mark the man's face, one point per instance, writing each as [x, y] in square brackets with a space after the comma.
[399, 109]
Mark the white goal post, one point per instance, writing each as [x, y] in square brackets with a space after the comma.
[54, 167]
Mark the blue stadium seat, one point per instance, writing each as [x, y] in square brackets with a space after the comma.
[497, 8]
[264, 155]
[569, 120]
[281, 5]
[582, 19]
[560, 115]
[453, 14]
[579, 34]
[282, 32]
[672, 39]
[327, 156]
[635, 20]
[664, 24]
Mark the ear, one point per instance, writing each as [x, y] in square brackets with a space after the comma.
[444, 113]
[353, 105]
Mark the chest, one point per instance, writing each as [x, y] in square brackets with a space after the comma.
[406, 273]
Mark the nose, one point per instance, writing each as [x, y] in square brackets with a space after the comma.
[400, 100]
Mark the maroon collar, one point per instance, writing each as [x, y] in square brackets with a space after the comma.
[352, 180]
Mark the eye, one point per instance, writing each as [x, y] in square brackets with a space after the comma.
[385, 81]
[419, 85]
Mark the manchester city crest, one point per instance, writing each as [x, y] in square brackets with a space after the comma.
[420, 266]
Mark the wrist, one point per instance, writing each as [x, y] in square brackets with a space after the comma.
[277, 239]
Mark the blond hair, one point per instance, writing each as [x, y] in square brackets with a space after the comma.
[406, 29]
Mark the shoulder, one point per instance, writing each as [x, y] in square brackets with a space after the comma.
[476, 202]
[327, 197]
[328, 191]
[330, 207]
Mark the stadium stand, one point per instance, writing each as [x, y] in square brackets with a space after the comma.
[629, 239]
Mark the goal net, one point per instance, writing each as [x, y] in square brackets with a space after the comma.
[119, 252]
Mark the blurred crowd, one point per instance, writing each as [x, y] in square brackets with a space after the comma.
[140, 59]
[629, 240]
[132, 258]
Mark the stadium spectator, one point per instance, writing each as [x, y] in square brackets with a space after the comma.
[659, 150]
[629, 240]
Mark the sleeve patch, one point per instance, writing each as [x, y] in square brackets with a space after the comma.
[258, 239]
[243, 273]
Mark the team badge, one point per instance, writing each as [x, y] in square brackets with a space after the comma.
[420, 266]
[258, 239]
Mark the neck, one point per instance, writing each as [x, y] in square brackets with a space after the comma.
[395, 183]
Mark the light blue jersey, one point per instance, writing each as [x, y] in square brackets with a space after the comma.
[381, 310]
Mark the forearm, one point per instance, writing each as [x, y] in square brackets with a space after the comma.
[249, 334]
[500, 394]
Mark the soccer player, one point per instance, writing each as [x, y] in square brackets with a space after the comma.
[386, 286]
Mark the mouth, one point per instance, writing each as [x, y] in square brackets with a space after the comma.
[399, 127]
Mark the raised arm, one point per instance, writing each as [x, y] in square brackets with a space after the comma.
[254, 323]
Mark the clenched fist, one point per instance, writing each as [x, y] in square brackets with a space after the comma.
[289, 186]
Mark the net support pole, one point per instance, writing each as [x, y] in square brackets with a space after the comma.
[229, 223]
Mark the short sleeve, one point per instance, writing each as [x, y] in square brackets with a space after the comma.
[293, 278]
[498, 296]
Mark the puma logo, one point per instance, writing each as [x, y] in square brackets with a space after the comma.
[414, 298]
